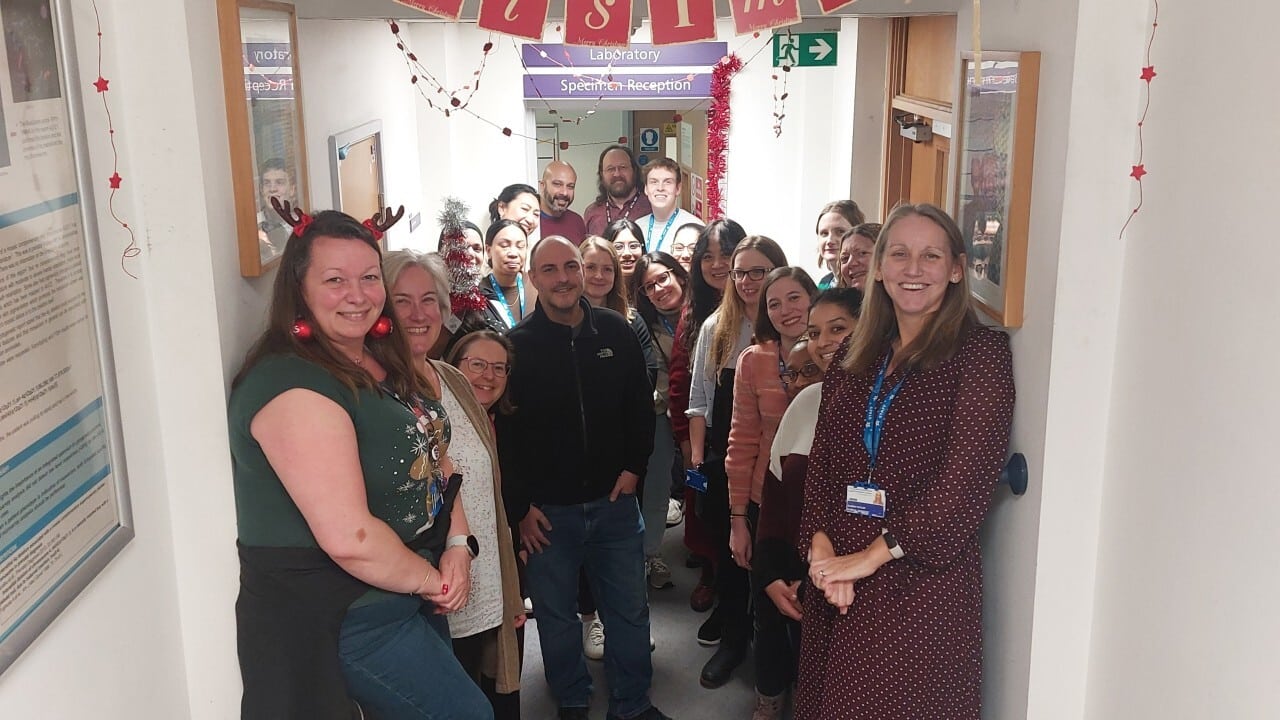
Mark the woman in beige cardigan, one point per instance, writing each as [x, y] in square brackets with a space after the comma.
[484, 631]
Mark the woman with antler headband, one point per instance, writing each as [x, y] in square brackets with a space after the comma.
[345, 498]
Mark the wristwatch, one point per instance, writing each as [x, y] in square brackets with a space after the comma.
[894, 548]
[468, 541]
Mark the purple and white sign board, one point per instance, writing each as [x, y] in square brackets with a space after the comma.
[664, 86]
[570, 58]
[268, 87]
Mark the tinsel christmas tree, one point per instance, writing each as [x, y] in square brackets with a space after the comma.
[464, 269]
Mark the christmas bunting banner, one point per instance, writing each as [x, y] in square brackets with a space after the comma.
[682, 21]
[754, 15]
[598, 23]
[447, 9]
[521, 18]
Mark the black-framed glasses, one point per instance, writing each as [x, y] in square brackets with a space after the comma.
[479, 365]
[809, 370]
[755, 273]
[661, 281]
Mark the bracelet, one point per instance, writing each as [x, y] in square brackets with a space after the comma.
[422, 586]
[734, 515]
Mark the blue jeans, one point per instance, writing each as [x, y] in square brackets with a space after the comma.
[606, 537]
[657, 486]
[399, 664]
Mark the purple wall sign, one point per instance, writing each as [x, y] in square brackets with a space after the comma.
[268, 87]
[572, 57]
[664, 86]
[267, 56]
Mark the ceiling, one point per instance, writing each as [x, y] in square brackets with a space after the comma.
[377, 9]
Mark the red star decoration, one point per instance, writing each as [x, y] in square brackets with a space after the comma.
[101, 84]
[115, 181]
[1138, 171]
[1148, 73]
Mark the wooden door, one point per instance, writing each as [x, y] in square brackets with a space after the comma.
[360, 179]
[921, 83]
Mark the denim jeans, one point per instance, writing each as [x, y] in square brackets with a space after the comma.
[399, 664]
[657, 486]
[606, 537]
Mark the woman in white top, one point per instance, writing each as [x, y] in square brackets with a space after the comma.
[483, 631]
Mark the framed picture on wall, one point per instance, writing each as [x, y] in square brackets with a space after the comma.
[263, 87]
[996, 119]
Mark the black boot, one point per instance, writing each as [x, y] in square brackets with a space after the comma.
[720, 667]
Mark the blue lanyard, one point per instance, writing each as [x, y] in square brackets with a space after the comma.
[666, 324]
[665, 228]
[874, 427]
[511, 320]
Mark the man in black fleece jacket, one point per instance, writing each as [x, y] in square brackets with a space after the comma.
[571, 455]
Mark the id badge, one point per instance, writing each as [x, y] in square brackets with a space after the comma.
[695, 480]
[866, 500]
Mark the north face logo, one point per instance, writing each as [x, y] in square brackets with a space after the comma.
[605, 353]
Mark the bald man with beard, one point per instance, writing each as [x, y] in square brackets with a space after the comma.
[555, 195]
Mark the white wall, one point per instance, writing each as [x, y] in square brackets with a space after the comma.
[777, 184]
[1185, 619]
[871, 69]
[462, 155]
[352, 74]
[153, 635]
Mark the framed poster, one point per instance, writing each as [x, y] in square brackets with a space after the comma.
[64, 503]
[263, 91]
[996, 133]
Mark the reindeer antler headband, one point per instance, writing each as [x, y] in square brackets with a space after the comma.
[380, 223]
[292, 215]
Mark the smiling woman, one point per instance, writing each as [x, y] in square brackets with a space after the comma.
[344, 498]
[892, 505]
[483, 631]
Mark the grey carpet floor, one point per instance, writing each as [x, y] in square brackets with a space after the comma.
[677, 662]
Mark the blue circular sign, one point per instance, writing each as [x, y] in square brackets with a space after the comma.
[649, 137]
[642, 159]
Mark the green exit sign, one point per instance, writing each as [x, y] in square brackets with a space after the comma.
[804, 49]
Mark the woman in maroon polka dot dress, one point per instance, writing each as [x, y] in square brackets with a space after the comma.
[893, 618]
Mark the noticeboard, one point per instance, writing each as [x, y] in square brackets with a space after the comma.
[64, 507]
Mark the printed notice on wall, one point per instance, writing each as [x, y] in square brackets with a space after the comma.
[61, 511]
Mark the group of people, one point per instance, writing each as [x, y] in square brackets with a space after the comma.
[412, 483]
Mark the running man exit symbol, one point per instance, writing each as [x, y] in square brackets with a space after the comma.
[805, 49]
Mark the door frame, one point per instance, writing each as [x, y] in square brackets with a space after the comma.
[340, 141]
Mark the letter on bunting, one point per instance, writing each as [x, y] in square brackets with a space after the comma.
[682, 21]
[522, 18]
[752, 15]
[599, 23]
[447, 9]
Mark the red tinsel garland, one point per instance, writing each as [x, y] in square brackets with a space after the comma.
[718, 133]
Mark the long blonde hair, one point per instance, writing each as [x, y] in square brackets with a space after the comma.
[616, 300]
[732, 310]
[877, 326]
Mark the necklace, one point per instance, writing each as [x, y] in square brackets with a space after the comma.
[359, 359]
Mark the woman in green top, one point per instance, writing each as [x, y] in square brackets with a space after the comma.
[344, 499]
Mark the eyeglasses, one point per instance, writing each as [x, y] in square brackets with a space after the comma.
[632, 247]
[809, 370]
[477, 366]
[755, 273]
[683, 248]
[661, 281]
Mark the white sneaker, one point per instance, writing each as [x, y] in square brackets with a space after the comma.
[653, 644]
[675, 512]
[658, 572]
[593, 643]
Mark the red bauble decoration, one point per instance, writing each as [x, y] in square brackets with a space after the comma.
[301, 329]
[381, 328]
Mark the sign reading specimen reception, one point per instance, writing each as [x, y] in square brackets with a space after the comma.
[63, 509]
[639, 72]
